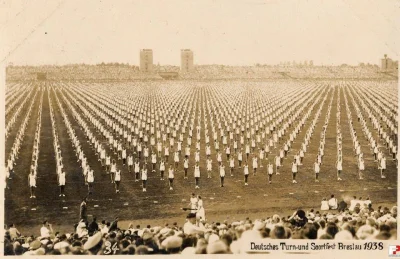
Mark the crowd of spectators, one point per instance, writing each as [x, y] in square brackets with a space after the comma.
[129, 72]
[199, 237]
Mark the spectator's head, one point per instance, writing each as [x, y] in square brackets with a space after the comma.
[142, 250]
[276, 219]
[331, 229]
[365, 232]
[191, 217]
[343, 235]
[278, 232]
[94, 243]
[217, 247]
[301, 214]
[310, 231]
[172, 244]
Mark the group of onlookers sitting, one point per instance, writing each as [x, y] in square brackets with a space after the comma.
[196, 236]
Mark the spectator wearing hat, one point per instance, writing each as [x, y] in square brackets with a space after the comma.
[94, 244]
[190, 227]
[35, 248]
[217, 247]
[149, 242]
[172, 244]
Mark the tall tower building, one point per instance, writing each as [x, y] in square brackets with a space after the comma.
[186, 60]
[146, 60]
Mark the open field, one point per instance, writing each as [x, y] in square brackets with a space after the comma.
[213, 106]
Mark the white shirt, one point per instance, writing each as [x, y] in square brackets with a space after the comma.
[270, 169]
[32, 180]
[222, 171]
[196, 171]
[117, 175]
[294, 168]
[113, 168]
[333, 203]
[90, 177]
[316, 167]
[189, 228]
[324, 205]
[193, 202]
[144, 174]
[246, 169]
[61, 178]
[353, 204]
[44, 232]
[171, 173]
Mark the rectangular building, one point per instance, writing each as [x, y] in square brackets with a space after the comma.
[146, 60]
[186, 60]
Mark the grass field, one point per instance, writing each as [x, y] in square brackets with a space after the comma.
[159, 204]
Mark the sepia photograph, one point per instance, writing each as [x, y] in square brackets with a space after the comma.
[179, 127]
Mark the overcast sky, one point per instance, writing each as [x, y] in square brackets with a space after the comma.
[219, 32]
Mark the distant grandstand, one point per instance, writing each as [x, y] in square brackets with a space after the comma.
[200, 72]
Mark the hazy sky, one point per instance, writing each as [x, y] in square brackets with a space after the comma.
[219, 32]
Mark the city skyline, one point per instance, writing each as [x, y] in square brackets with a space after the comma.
[218, 32]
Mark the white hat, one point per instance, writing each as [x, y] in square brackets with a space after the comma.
[212, 238]
[61, 245]
[258, 225]
[343, 235]
[172, 242]
[92, 241]
[217, 247]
